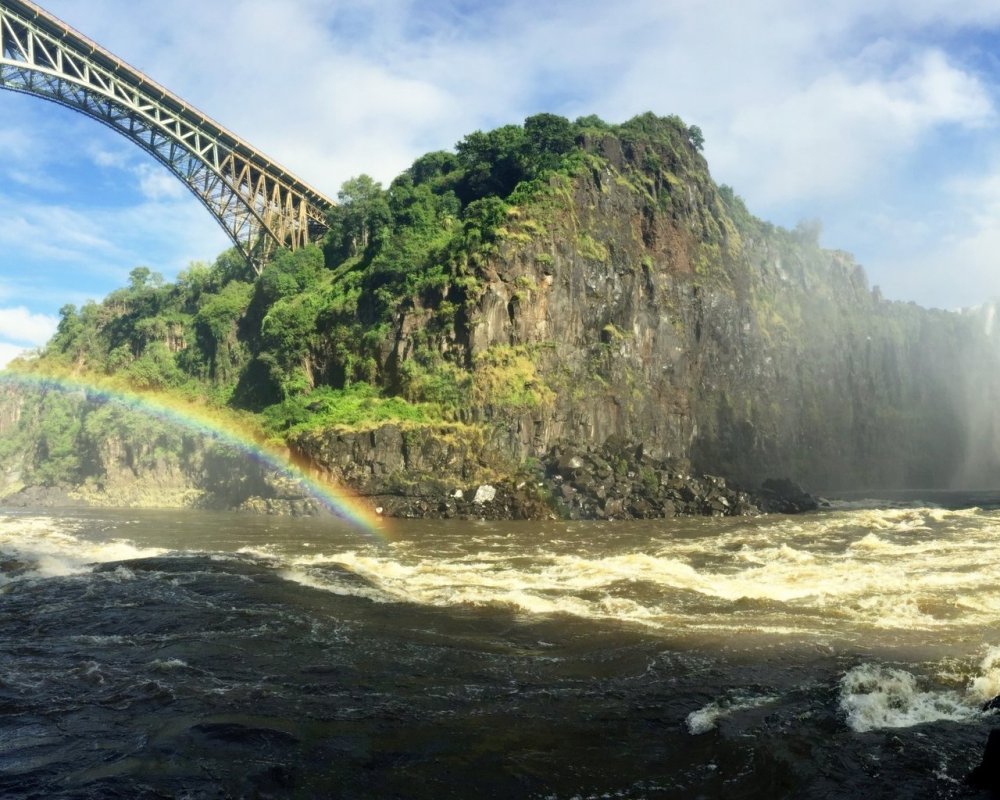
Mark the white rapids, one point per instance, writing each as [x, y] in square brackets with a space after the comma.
[914, 590]
[853, 573]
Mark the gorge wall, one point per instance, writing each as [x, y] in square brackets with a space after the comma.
[75, 447]
[647, 304]
[621, 297]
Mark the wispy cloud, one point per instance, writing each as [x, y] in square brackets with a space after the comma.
[156, 183]
[88, 251]
[53, 233]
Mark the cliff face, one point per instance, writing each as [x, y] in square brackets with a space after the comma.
[645, 304]
[59, 447]
[543, 293]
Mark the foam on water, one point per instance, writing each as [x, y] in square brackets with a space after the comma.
[902, 569]
[851, 573]
[986, 685]
[314, 580]
[55, 548]
[876, 696]
[707, 718]
[873, 697]
[168, 665]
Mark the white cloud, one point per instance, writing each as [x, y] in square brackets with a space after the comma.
[838, 133]
[19, 164]
[8, 352]
[18, 324]
[103, 157]
[52, 254]
[803, 105]
[51, 232]
[15, 142]
[156, 183]
[379, 78]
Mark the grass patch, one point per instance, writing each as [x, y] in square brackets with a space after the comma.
[360, 406]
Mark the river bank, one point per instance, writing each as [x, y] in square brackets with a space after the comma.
[615, 482]
[618, 481]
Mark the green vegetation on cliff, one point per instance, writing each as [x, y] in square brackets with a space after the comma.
[315, 339]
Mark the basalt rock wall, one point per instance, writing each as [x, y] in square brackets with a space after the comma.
[627, 299]
[645, 303]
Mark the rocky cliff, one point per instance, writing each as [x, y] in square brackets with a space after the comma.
[639, 301]
[550, 295]
[60, 447]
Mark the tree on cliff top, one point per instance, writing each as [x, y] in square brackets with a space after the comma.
[356, 222]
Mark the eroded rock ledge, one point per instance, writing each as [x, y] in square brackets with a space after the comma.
[449, 471]
[420, 473]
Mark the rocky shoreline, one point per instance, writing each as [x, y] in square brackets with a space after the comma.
[614, 482]
[429, 473]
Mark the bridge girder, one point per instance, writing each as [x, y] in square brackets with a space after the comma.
[258, 203]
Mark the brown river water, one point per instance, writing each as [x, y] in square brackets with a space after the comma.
[840, 654]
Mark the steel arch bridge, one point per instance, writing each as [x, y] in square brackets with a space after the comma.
[258, 203]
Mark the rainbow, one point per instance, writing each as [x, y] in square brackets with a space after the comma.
[189, 416]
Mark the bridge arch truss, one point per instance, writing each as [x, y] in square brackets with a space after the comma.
[258, 203]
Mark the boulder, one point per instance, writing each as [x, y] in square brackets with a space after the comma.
[782, 496]
[987, 774]
[485, 494]
[568, 465]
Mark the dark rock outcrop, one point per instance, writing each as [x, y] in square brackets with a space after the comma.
[987, 774]
[782, 496]
[615, 481]
[42, 497]
[618, 481]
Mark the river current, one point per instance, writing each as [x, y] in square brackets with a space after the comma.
[841, 654]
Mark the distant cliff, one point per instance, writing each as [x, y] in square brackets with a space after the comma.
[544, 290]
[62, 446]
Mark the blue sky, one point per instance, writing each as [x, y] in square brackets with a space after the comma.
[879, 118]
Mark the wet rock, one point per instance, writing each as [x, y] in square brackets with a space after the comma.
[569, 465]
[640, 509]
[621, 481]
[987, 774]
[614, 509]
[618, 480]
[42, 497]
[782, 496]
